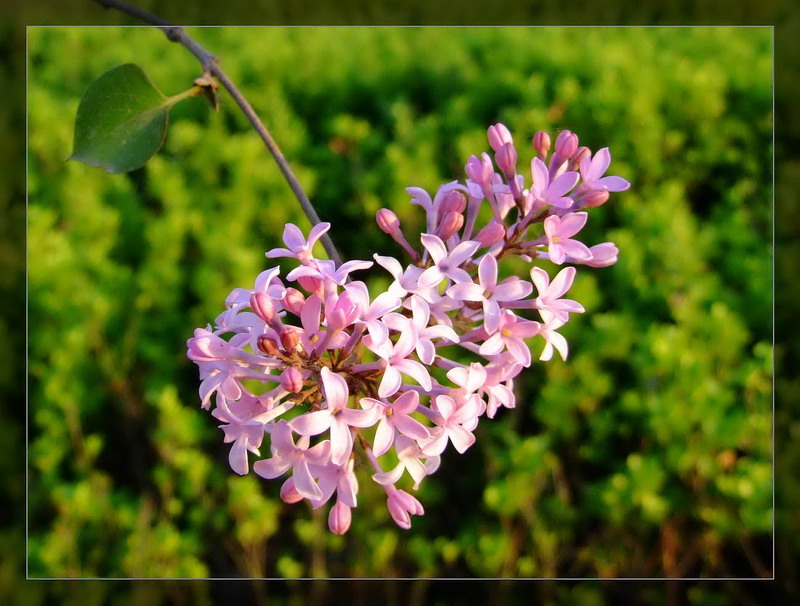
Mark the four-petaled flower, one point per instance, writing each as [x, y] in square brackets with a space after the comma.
[593, 169]
[395, 418]
[559, 231]
[548, 302]
[446, 265]
[299, 247]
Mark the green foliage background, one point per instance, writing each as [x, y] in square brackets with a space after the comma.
[648, 453]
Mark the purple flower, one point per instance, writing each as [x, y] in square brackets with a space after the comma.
[549, 301]
[552, 192]
[446, 265]
[489, 292]
[559, 231]
[593, 169]
[449, 421]
[510, 336]
[395, 417]
[409, 456]
[299, 248]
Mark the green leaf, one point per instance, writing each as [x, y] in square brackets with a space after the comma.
[121, 121]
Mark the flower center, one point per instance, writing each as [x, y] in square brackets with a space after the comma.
[314, 338]
[506, 332]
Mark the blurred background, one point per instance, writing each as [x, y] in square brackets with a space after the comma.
[648, 453]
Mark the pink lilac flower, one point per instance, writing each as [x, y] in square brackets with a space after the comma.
[549, 301]
[510, 334]
[593, 169]
[395, 417]
[299, 247]
[446, 265]
[559, 231]
[336, 417]
[286, 455]
[305, 347]
[489, 293]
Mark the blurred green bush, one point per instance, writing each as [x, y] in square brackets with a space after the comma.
[646, 454]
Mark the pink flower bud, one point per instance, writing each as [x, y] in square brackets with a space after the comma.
[480, 170]
[268, 345]
[566, 144]
[450, 225]
[455, 202]
[289, 493]
[507, 160]
[498, 136]
[387, 221]
[401, 506]
[541, 143]
[603, 255]
[312, 284]
[594, 199]
[207, 347]
[339, 518]
[292, 380]
[290, 338]
[293, 301]
[491, 234]
[263, 306]
[581, 153]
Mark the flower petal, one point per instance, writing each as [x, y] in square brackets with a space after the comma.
[304, 483]
[384, 436]
[435, 247]
[311, 423]
[334, 387]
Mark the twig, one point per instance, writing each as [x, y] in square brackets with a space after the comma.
[210, 64]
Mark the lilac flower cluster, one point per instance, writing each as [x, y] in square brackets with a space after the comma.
[317, 364]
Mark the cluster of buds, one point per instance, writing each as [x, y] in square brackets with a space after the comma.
[327, 371]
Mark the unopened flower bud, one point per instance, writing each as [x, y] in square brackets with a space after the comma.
[289, 493]
[291, 380]
[454, 202]
[312, 284]
[387, 221]
[450, 225]
[581, 153]
[499, 135]
[268, 345]
[541, 143]
[566, 144]
[595, 198]
[290, 338]
[480, 170]
[293, 301]
[491, 234]
[339, 518]
[506, 158]
[263, 306]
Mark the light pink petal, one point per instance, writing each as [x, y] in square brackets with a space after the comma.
[309, 315]
[493, 345]
[281, 437]
[279, 252]
[385, 478]
[426, 351]
[575, 249]
[406, 403]
[406, 343]
[513, 290]
[571, 224]
[441, 331]
[463, 251]
[311, 423]
[445, 406]
[541, 176]
[561, 283]
[520, 351]
[334, 387]
[416, 470]
[562, 184]
[458, 275]
[491, 315]
[568, 305]
[437, 444]
[435, 247]
[293, 237]
[378, 331]
[304, 483]
[384, 436]
[461, 438]
[466, 292]
[391, 265]
[613, 184]
[238, 456]
[557, 254]
[390, 382]
[547, 352]
[458, 375]
[410, 427]
[487, 272]
[272, 468]
[599, 165]
[476, 377]
[525, 329]
[316, 233]
[318, 454]
[360, 418]
[541, 279]
[417, 371]
[341, 441]
[430, 277]
[560, 343]
[552, 226]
